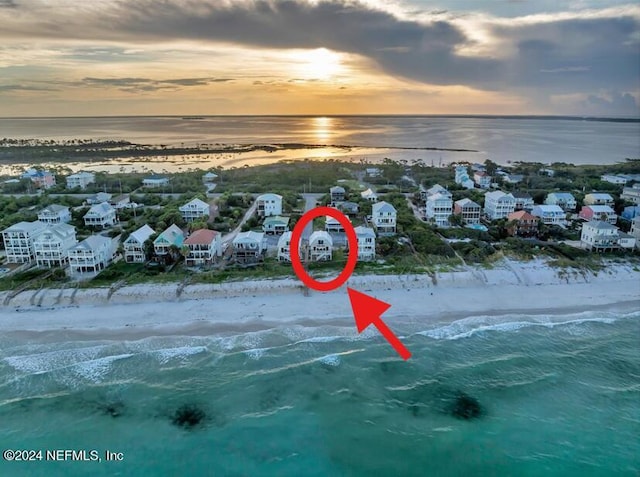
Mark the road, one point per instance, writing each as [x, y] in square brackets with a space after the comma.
[310, 201]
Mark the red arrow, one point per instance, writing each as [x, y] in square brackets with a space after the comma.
[367, 311]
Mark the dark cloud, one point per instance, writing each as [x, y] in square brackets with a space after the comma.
[617, 103]
[23, 87]
[148, 84]
[8, 4]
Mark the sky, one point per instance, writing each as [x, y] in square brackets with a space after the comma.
[319, 57]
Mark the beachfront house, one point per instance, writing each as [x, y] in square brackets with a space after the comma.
[337, 193]
[635, 230]
[80, 180]
[51, 247]
[366, 243]
[498, 205]
[100, 215]
[204, 245]
[550, 214]
[598, 212]
[18, 241]
[320, 246]
[599, 236]
[54, 214]
[469, 211]
[524, 201]
[482, 179]
[369, 195]
[597, 198]
[632, 194]
[438, 208]
[563, 199]
[630, 212]
[248, 247]
[155, 182]
[90, 256]
[98, 198]
[462, 177]
[275, 225]
[626, 241]
[133, 246]
[522, 224]
[171, 237]
[383, 217]
[269, 204]
[193, 210]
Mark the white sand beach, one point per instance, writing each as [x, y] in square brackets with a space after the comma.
[510, 288]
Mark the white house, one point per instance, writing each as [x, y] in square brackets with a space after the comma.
[269, 204]
[631, 194]
[204, 245]
[524, 201]
[153, 182]
[121, 201]
[100, 215]
[366, 243]
[599, 236]
[635, 229]
[469, 210]
[275, 224]
[171, 236]
[320, 246]
[194, 209]
[91, 255]
[513, 178]
[54, 214]
[424, 192]
[564, 199]
[597, 198]
[18, 241]
[248, 247]
[498, 205]
[332, 224]
[482, 179]
[614, 179]
[383, 217]
[51, 247]
[626, 241]
[439, 207]
[373, 172]
[99, 198]
[80, 179]
[550, 214]
[369, 195]
[134, 245]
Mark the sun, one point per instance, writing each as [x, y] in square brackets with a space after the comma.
[318, 64]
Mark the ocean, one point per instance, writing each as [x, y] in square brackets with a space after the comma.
[514, 395]
[371, 138]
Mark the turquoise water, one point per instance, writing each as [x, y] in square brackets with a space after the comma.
[556, 400]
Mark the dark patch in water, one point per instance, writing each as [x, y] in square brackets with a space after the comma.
[188, 416]
[624, 368]
[415, 410]
[115, 409]
[466, 407]
[270, 398]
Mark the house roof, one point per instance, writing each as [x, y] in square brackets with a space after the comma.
[211, 175]
[92, 242]
[521, 195]
[337, 189]
[364, 232]
[249, 236]
[599, 195]
[521, 215]
[59, 230]
[368, 193]
[142, 234]
[599, 209]
[269, 196]
[438, 196]
[467, 203]
[28, 227]
[100, 209]
[320, 234]
[171, 234]
[155, 178]
[55, 208]
[279, 219]
[383, 207]
[562, 195]
[548, 208]
[201, 237]
[200, 203]
[600, 225]
[82, 174]
[497, 194]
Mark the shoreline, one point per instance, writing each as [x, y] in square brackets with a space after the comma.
[530, 288]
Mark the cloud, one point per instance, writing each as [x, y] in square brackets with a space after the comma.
[614, 103]
[23, 87]
[553, 53]
[8, 4]
[148, 84]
